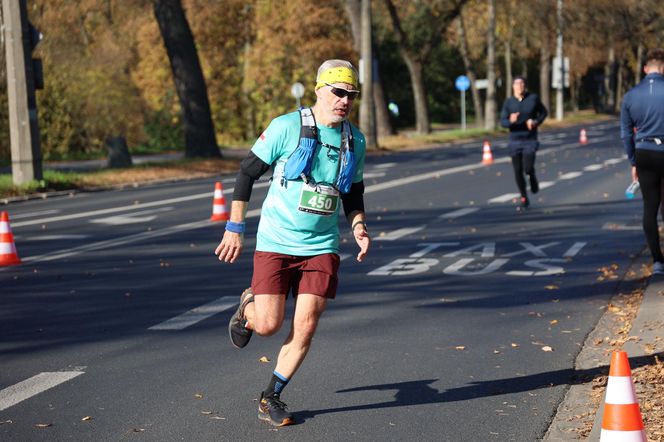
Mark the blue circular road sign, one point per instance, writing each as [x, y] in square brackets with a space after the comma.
[462, 83]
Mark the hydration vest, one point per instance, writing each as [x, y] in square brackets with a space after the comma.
[298, 165]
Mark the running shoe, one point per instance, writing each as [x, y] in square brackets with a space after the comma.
[524, 201]
[271, 409]
[658, 268]
[237, 329]
[534, 185]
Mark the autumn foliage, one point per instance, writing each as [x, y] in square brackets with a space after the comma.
[107, 73]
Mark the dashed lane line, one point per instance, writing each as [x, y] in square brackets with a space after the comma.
[37, 384]
[197, 314]
[459, 213]
[399, 233]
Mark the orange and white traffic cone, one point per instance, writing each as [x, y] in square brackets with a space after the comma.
[219, 212]
[583, 137]
[487, 156]
[622, 415]
[8, 255]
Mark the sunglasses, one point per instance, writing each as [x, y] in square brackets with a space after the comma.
[341, 93]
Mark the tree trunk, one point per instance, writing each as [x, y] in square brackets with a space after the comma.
[419, 93]
[639, 63]
[609, 81]
[545, 76]
[188, 78]
[619, 82]
[491, 117]
[383, 124]
[367, 108]
[470, 71]
[508, 68]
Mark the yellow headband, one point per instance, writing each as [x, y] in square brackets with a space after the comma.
[337, 75]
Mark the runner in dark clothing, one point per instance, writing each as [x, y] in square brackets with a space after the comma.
[643, 109]
[522, 113]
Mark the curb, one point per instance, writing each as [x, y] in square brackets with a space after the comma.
[646, 333]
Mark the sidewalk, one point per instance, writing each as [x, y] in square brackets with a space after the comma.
[646, 339]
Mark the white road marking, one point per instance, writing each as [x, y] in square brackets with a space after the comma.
[614, 226]
[33, 386]
[570, 175]
[131, 218]
[385, 165]
[195, 225]
[572, 251]
[50, 237]
[373, 175]
[399, 233]
[593, 167]
[614, 161]
[198, 314]
[504, 198]
[459, 213]
[33, 214]
[546, 184]
[343, 256]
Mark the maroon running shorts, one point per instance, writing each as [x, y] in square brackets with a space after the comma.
[275, 273]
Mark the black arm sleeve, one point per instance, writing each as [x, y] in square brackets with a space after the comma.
[354, 199]
[251, 169]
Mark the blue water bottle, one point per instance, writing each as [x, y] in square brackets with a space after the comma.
[631, 191]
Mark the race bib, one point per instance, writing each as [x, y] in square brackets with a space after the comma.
[319, 199]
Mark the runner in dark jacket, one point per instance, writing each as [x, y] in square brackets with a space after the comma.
[522, 113]
[642, 132]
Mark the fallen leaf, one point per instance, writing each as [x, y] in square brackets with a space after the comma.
[43, 425]
[8, 421]
[198, 396]
[218, 418]
[553, 322]
[264, 359]
[138, 430]
[87, 418]
[460, 347]
[206, 412]
[551, 287]
[547, 348]
[514, 344]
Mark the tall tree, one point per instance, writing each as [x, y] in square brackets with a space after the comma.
[383, 124]
[470, 70]
[425, 25]
[367, 108]
[188, 77]
[491, 106]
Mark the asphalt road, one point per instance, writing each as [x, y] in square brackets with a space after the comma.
[463, 323]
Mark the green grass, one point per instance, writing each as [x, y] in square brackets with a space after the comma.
[52, 180]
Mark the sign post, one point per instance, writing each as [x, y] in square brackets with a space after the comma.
[298, 91]
[462, 84]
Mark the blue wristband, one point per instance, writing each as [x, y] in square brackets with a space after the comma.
[235, 227]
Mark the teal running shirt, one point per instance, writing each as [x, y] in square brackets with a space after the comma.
[283, 227]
